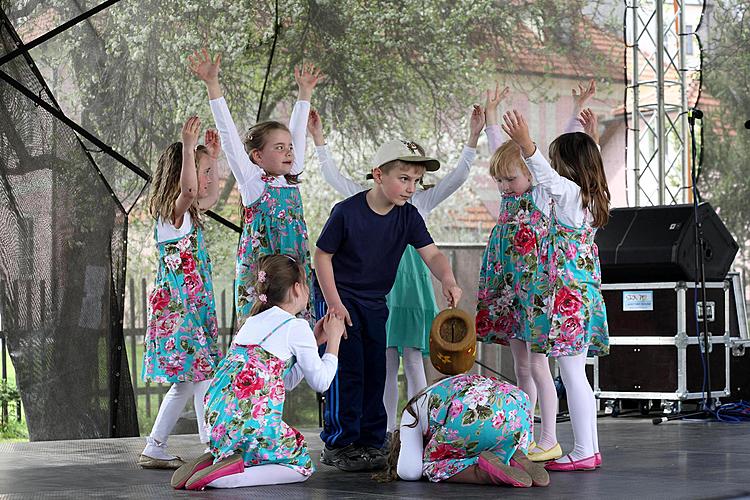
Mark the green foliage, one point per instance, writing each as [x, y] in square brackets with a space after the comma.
[726, 142]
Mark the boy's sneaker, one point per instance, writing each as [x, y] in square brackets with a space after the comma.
[350, 458]
[376, 457]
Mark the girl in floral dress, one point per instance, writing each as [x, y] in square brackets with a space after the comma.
[180, 345]
[250, 443]
[512, 272]
[265, 165]
[467, 429]
[573, 300]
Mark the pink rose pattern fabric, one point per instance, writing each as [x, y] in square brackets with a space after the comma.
[181, 332]
[274, 224]
[578, 316]
[244, 407]
[469, 414]
[512, 274]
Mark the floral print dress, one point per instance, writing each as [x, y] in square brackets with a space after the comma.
[181, 333]
[244, 406]
[469, 414]
[574, 303]
[273, 224]
[508, 304]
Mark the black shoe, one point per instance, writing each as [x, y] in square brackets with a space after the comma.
[350, 458]
[376, 457]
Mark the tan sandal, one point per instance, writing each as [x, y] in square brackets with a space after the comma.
[155, 463]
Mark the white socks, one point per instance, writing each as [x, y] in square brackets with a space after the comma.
[534, 377]
[416, 380]
[581, 405]
[169, 412]
[259, 475]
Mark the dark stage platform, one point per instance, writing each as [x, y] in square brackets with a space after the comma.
[673, 460]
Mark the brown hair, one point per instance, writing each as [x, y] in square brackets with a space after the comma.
[165, 186]
[505, 158]
[576, 156]
[256, 138]
[279, 274]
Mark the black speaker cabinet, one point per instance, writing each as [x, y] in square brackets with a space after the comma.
[656, 345]
[650, 244]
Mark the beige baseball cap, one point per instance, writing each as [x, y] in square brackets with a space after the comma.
[407, 151]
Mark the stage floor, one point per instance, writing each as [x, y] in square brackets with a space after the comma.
[672, 460]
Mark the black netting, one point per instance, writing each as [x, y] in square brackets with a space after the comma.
[63, 235]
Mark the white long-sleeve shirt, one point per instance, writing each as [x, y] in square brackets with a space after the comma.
[296, 339]
[548, 184]
[248, 174]
[424, 201]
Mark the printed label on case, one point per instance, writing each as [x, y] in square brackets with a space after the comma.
[638, 300]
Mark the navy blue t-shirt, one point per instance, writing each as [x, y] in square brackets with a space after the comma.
[367, 247]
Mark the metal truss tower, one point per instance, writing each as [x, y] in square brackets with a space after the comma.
[657, 100]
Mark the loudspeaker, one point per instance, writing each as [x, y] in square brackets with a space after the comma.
[651, 244]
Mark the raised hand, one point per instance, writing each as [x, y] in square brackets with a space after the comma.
[583, 94]
[315, 127]
[333, 326]
[476, 124]
[494, 98]
[514, 124]
[212, 143]
[203, 66]
[590, 123]
[307, 77]
[190, 132]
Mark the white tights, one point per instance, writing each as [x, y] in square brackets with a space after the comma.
[533, 377]
[259, 475]
[581, 406]
[169, 412]
[415, 380]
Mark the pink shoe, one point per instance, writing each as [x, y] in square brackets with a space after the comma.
[225, 467]
[504, 473]
[181, 475]
[598, 457]
[588, 463]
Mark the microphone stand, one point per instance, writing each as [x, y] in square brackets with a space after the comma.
[707, 406]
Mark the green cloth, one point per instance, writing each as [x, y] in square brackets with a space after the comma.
[412, 305]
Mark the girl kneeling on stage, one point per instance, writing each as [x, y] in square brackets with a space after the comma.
[250, 444]
[467, 429]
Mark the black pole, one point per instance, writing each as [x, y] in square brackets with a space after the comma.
[56, 31]
[105, 148]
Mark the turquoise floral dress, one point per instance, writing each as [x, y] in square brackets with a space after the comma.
[244, 406]
[469, 414]
[508, 296]
[574, 303]
[181, 333]
[273, 224]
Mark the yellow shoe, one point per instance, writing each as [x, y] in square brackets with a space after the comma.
[544, 455]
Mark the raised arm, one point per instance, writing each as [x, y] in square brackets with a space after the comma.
[494, 98]
[188, 174]
[427, 200]
[213, 150]
[331, 173]
[207, 69]
[318, 371]
[307, 77]
[579, 101]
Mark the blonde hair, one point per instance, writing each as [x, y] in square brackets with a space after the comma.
[576, 156]
[257, 136]
[505, 159]
[165, 186]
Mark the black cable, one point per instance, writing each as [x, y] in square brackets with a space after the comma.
[270, 59]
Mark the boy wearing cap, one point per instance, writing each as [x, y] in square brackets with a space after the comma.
[356, 260]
